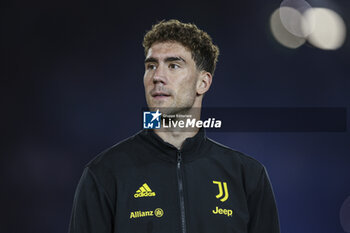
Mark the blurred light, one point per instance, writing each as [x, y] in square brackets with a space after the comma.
[345, 215]
[292, 18]
[328, 30]
[281, 34]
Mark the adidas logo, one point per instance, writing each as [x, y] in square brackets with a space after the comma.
[144, 191]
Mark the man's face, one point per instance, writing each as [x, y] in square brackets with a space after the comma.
[170, 77]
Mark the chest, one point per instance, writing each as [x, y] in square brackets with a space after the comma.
[201, 196]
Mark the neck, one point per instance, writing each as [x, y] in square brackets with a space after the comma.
[177, 135]
[175, 138]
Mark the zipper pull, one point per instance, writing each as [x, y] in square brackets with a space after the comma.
[179, 158]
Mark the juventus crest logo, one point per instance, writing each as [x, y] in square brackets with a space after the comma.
[222, 191]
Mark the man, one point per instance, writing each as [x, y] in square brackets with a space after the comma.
[174, 180]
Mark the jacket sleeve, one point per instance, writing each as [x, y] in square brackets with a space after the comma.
[262, 208]
[92, 209]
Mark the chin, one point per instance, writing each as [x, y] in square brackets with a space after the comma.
[159, 104]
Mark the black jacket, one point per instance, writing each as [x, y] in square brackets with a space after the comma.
[144, 185]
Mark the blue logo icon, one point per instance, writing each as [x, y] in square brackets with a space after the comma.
[151, 120]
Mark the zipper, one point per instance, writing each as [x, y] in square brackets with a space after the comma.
[181, 192]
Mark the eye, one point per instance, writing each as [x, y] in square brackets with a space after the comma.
[174, 66]
[150, 67]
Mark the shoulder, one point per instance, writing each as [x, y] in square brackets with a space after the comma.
[105, 168]
[230, 154]
[249, 169]
[114, 155]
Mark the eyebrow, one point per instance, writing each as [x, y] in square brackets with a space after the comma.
[168, 59]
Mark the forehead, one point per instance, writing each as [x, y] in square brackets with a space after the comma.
[166, 49]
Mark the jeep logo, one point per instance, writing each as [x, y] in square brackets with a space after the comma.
[226, 212]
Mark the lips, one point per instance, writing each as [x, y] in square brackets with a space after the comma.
[160, 94]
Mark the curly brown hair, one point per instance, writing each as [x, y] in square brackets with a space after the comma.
[204, 52]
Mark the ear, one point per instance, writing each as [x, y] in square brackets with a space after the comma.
[203, 82]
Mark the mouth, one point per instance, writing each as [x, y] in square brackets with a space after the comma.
[160, 95]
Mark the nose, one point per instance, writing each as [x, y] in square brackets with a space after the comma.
[159, 75]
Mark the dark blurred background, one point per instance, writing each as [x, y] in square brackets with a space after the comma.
[71, 86]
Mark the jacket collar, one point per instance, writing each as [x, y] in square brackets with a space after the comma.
[191, 149]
